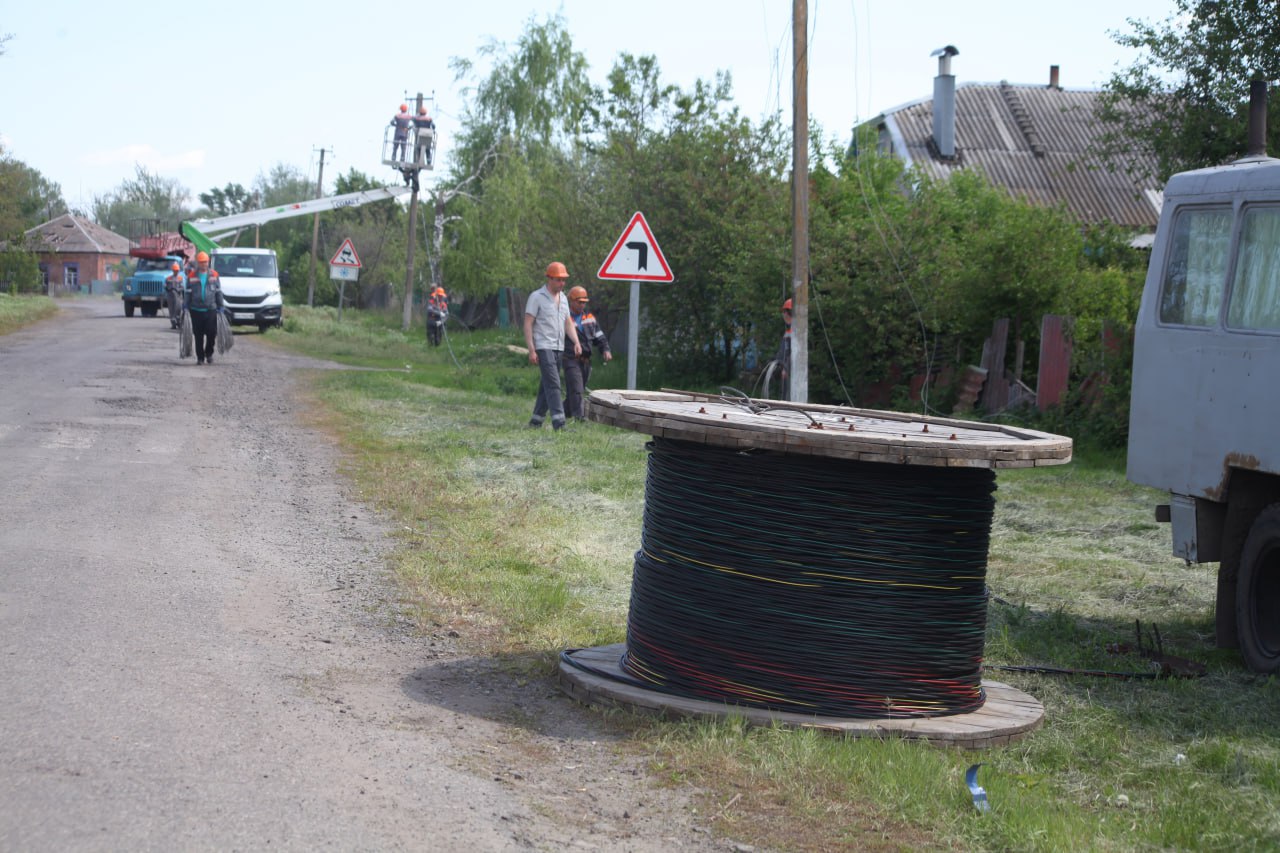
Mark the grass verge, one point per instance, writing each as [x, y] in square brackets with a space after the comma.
[19, 311]
[525, 538]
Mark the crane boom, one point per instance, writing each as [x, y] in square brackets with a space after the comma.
[197, 230]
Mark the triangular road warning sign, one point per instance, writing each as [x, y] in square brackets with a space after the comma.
[636, 256]
[346, 256]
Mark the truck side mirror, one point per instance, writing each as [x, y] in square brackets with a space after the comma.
[284, 276]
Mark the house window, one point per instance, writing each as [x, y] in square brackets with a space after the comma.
[1255, 290]
[44, 277]
[1196, 273]
[71, 276]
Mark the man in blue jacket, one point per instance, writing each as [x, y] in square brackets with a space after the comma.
[577, 369]
[204, 301]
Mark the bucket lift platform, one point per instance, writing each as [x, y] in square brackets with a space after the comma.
[419, 150]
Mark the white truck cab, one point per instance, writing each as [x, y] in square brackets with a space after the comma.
[250, 282]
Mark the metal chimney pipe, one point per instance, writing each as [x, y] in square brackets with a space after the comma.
[1257, 119]
[1053, 77]
[944, 103]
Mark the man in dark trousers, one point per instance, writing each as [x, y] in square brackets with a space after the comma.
[204, 301]
[548, 332]
[424, 133]
[401, 121]
[577, 369]
[174, 286]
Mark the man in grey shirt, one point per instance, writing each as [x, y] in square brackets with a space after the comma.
[547, 324]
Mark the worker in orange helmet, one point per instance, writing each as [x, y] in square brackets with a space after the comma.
[577, 369]
[437, 314]
[204, 302]
[424, 134]
[783, 358]
[173, 287]
[401, 121]
[549, 332]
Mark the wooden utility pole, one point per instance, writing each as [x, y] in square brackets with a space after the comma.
[800, 203]
[315, 238]
[407, 320]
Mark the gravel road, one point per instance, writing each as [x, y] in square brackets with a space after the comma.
[199, 643]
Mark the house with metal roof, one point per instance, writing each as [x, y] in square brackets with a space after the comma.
[73, 251]
[1040, 142]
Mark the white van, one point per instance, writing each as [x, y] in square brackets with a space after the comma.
[250, 285]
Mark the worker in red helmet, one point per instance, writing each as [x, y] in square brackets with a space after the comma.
[401, 121]
[783, 358]
[577, 369]
[549, 332]
[174, 284]
[204, 302]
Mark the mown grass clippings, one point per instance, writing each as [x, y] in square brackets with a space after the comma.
[523, 539]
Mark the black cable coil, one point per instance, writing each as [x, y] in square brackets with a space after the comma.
[811, 585]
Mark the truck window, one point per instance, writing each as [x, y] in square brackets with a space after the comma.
[247, 266]
[1255, 292]
[1191, 292]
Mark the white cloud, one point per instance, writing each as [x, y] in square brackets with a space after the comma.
[146, 156]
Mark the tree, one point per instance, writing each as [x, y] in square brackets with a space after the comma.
[145, 196]
[377, 230]
[717, 184]
[27, 197]
[536, 94]
[233, 198]
[521, 155]
[1186, 99]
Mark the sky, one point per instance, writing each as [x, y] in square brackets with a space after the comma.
[209, 94]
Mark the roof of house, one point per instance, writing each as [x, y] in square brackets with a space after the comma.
[1039, 142]
[70, 233]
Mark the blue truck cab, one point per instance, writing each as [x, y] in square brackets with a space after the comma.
[144, 290]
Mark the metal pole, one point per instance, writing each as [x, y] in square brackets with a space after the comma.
[315, 238]
[800, 205]
[407, 319]
[633, 335]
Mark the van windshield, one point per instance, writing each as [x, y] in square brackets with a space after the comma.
[231, 264]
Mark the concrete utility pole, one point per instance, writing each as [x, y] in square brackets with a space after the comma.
[407, 320]
[315, 238]
[800, 203]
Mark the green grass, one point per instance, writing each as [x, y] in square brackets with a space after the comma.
[525, 539]
[19, 311]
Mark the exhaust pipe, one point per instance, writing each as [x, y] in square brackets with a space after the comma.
[1257, 119]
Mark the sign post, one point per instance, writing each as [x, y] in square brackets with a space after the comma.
[635, 257]
[344, 266]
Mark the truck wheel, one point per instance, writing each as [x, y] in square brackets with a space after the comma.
[128, 309]
[1258, 593]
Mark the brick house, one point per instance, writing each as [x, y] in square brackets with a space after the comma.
[73, 251]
